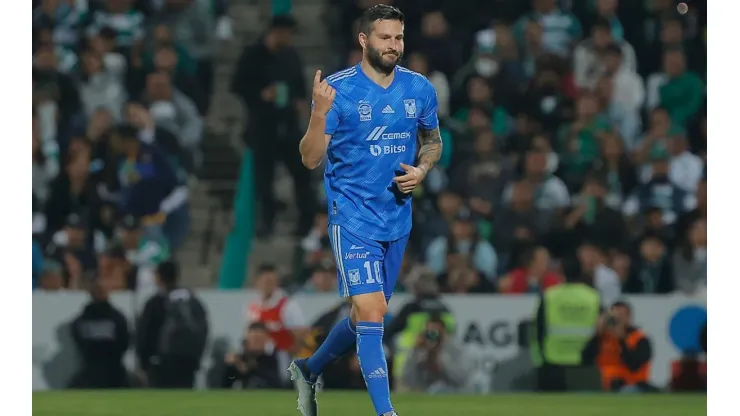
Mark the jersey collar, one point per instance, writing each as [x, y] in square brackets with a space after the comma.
[375, 84]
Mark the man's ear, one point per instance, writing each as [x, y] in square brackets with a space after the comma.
[362, 38]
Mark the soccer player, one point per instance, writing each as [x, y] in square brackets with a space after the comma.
[367, 119]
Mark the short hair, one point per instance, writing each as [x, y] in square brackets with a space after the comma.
[674, 49]
[45, 48]
[160, 48]
[379, 12]
[596, 178]
[283, 22]
[659, 109]
[168, 273]
[613, 49]
[133, 101]
[602, 23]
[127, 131]
[655, 236]
[622, 304]
[670, 20]
[266, 268]
[257, 326]
[530, 254]
[108, 33]
[436, 317]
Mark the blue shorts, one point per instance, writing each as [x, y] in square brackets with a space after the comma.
[365, 266]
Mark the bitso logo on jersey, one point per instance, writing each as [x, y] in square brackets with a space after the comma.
[410, 107]
[377, 150]
[365, 110]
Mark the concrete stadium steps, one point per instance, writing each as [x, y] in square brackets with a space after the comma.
[311, 44]
[195, 272]
[210, 199]
[212, 195]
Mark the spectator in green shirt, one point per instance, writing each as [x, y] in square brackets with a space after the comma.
[480, 95]
[561, 30]
[162, 37]
[579, 141]
[659, 131]
[683, 92]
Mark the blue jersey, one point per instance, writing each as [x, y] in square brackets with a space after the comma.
[373, 131]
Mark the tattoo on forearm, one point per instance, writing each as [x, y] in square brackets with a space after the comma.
[430, 147]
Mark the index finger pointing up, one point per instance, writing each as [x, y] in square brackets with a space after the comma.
[317, 78]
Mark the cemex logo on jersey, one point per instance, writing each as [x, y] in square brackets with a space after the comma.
[379, 133]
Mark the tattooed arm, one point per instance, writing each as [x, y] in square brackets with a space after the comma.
[430, 148]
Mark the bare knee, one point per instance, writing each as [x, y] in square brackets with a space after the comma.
[369, 307]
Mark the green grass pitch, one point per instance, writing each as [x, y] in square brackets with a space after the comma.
[273, 403]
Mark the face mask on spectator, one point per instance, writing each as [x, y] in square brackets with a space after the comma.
[162, 110]
[114, 62]
[548, 104]
[94, 79]
[552, 162]
[486, 67]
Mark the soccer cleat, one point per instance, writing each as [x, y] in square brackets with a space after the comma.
[306, 384]
[391, 413]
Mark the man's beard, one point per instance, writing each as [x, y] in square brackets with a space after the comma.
[375, 59]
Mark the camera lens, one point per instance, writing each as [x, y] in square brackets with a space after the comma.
[432, 335]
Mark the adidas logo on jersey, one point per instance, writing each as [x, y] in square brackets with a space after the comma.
[388, 110]
[379, 373]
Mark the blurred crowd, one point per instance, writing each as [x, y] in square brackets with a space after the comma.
[120, 89]
[574, 149]
[574, 143]
[574, 135]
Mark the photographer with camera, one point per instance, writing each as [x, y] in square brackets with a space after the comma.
[621, 351]
[437, 363]
[255, 367]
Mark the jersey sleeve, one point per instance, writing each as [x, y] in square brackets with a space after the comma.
[428, 119]
[332, 118]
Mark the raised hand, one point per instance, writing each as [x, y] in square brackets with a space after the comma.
[323, 95]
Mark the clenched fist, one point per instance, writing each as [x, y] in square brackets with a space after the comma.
[323, 95]
[413, 177]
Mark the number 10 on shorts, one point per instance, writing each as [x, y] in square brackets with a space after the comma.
[373, 272]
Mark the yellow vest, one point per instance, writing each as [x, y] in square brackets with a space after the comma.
[571, 313]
